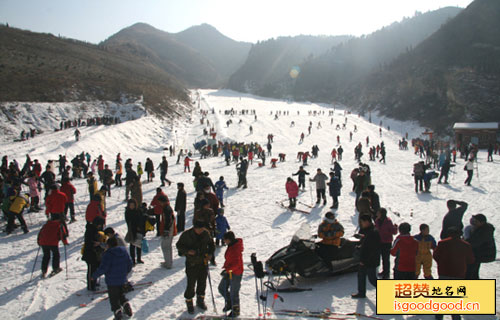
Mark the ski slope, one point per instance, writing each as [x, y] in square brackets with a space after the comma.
[252, 213]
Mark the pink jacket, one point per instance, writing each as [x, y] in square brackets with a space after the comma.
[292, 189]
[33, 185]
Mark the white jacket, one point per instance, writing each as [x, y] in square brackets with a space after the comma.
[469, 166]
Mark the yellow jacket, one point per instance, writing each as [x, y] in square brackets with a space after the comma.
[330, 232]
[18, 203]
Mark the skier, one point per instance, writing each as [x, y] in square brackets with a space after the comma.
[230, 284]
[334, 155]
[48, 238]
[340, 151]
[197, 246]
[115, 265]
[180, 207]
[17, 205]
[187, 160]
[301, 137]
[369, 253]
[302, 177]
[320, 179]
[293, 192]
[219, 190]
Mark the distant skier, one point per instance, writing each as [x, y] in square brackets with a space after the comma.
[219, 190]
[292, 190]
[301, 137]
[302, 177]
[77, 135]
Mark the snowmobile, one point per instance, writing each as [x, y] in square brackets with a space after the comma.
[301, 257]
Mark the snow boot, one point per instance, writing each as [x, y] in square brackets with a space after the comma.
[54, 272]
[127, 309]
[227, 307]
[44, 274]
[200, 302]
[190, 307]
[358, 296]
[118, 315]
[235, 312]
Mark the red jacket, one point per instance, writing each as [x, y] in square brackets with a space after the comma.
[292, 189]
[94, 209]
[158, 209]
[55, 202]
[51, 233]
[214, 202]
[250, 155]
[187, 161]
[100, 164]
[386, 229]
[234, 258]
[37, 169]
[452, 257]
[405, 249]
[69, 190]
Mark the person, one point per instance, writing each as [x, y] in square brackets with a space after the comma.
[129, 180]
[18, 203]
[320, 179]
[229, 286]
[334, 186]
[69, 190]
[483, 245]
[140, 171]
[56, 201]
[219, 190]
[386, 229]
[374, 198]
[242, 168]
[107, 179]
[418, 175]
[34, 192]
[292, 190]
[197, 172]
[197, 246]
[92, 250]
[48, 238]
[187, 160]
[222, 226]
[110, 233]
[92, 183]
[94, 209]
[364, 205]
[445, 170]
[330, 231]
[149, 168]
[118, 175]
[158, 208]
[405, 250]
[48, 178]
[302, 177]
[168, 230]
[115, 265]
[207, 215]
[136, 190]
[77, 135]
[369, 255]
[135, 233]
[469, 167]
[426, 243]
[454, 217]
[452, 256]
[361, 183]
[180, 207]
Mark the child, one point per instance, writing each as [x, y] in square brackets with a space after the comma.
[139, 170]
[219, 190]
[17, 205]
[48, 238]
[405, 250]
[180, 207]
[115, 265]
[222, 226]
[426, 243]
[34, 192]
[292, 189]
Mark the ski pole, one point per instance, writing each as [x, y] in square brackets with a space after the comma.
[257, 295]
[210, 284]
[66, 261]
[231, 292]
[34, 264]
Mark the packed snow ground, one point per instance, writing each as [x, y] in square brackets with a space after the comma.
[252, 213]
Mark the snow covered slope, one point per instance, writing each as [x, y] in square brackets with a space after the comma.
[252, 213]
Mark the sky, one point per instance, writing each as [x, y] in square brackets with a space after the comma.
[242, 20]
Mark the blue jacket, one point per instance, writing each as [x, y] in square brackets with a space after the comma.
[334, 186]
[222, 226]
[219, 188]
[115, 265]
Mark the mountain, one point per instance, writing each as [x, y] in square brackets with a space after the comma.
[325, 78]
[226, 54]
[200, 56]
[45, 68]
[267, 69]
[454, 75]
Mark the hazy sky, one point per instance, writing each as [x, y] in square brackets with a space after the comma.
[245, 20]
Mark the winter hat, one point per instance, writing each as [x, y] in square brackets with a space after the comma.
[480, 217]
[330, 217]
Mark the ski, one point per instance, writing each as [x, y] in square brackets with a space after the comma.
[292, 209]
[96, 301]
[326, 313]
[305, 204]
[93, 293]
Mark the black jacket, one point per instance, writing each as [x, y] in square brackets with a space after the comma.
[375, 201]
[482, 242]
[135, 222]
[454, 219]
[370, 247]
[202, 244]
[91, 254]
[302, 174]
[180, 201]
